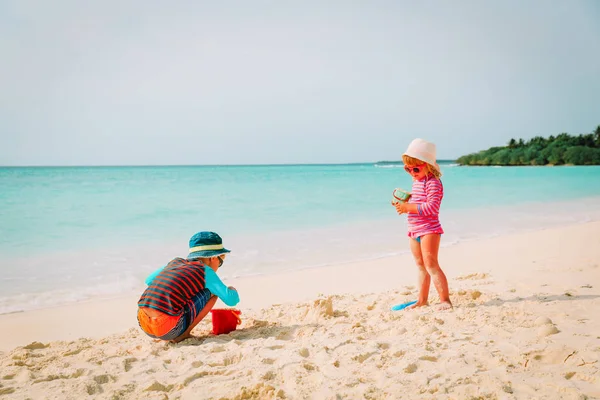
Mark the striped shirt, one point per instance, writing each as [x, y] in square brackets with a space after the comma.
[427, 194]
[174, 287]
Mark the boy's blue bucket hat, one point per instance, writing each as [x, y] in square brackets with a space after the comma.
[206, 244]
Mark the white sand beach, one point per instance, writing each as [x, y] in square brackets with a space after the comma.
[525, 326]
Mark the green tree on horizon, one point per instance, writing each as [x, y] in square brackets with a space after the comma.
[561, 149]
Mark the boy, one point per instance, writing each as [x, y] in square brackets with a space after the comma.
[182, 293]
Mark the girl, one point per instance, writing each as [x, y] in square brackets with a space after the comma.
[424, 228]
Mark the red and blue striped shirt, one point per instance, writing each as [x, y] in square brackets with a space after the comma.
[174, 287]
[427, 194]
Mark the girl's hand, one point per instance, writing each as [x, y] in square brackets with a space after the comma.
[400, 208]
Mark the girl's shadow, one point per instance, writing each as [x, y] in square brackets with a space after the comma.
[542, 298]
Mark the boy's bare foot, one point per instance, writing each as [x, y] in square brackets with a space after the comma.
[181, 338]
[445, 305]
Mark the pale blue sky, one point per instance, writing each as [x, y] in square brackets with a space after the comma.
[246, 82]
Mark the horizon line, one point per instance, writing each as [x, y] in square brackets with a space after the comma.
[204, 165]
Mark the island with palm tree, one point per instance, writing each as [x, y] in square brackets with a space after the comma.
[563, 149]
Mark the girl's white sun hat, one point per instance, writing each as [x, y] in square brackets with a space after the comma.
[424, 151]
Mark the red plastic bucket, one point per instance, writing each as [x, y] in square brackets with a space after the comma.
[225, 320]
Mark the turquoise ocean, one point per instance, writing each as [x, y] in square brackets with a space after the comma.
[70, 234]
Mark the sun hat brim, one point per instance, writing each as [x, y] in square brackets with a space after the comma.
[434, 164]
[424, 151]
[208, 253]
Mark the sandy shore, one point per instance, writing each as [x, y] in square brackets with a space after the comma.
[523, 327]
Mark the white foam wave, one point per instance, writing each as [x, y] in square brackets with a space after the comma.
[389, 166]
[37, 300]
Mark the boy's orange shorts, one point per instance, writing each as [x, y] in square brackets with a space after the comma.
[157, 326]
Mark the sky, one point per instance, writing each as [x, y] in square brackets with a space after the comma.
[272, 82]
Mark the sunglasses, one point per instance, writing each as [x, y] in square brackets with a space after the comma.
[221, 259]
[414, 170]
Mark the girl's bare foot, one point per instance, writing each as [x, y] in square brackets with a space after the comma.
[418, 305]
[445, 305]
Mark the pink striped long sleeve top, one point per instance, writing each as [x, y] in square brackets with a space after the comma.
[427, 194]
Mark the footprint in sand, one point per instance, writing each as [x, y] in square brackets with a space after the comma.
[73, 375]
[260, 391]
[6, 390]
[303, 352]
[383, 345]
[226, 361]
[410, 368]
[103, 379]
[127, 363]
[473, 294]
[399, 353]
[310, 367]
[569, 375]
[158, 387]
[478, 275]
[360, 358]
[269, 375]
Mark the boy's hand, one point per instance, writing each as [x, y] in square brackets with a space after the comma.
[232, 288]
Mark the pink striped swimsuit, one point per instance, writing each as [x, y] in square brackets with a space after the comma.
[427, 194]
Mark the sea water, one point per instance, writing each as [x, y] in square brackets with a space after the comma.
[69, 234]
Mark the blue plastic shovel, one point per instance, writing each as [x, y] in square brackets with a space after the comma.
[402, 306]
